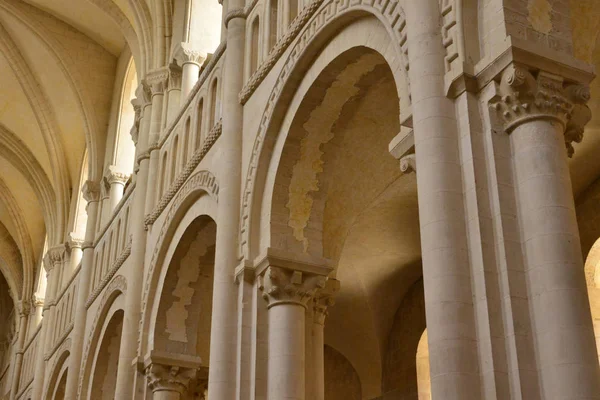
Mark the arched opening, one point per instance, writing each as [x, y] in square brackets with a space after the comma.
[339, 194]
[183, 319]
[213, 104]
[60, 388]
[199, 130]
[7, 335]
[104, 377]
[254, 45]
[163, 184]
[123, 154]
[592, 268]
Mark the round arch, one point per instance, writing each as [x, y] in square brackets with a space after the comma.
[112, 302]
[367, 43]
[197, 197]
[368, 32]
[58, 372]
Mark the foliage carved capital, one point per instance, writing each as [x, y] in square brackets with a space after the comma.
[169, 378]
[524, 96]
[324, 299]
[287, 286]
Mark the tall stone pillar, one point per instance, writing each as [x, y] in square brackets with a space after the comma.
[24, 309]
[168, 382]
[223, 347]
[126, 371]
[191, 60]
[173, 92]
[323, 299]
[288, 288]
[91, 194]
[446, 274]
[542, 114]
[74, 247]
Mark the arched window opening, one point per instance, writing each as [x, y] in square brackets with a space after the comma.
[272, 39]
[186, 139]
[199, 119]
[213, 104]
[592, 275]
[123, 156]
[174, 152]
[163, 175]
[423, 372]
[254, 49]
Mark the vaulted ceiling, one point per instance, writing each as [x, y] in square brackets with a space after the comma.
[57, 68]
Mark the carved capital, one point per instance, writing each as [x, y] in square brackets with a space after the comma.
[287, 286]
[157, 80]
[116, 177]
[75, 242]
[54, 256]
[37, 301]
[24, 307]
[524, 96]
[186, 54]
[91, 191]
[324, 299]
[174, 76]
[169, 378]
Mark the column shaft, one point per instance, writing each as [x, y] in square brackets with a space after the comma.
[190, 74]
[563, 330]
[18, 360]
[448, 297]
[129, 339]
[85, 274]
[222, 371]
[319, 359]
[286, 351]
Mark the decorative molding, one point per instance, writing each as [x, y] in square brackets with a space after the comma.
[408, 163]
[389, 11]
[157, 81]
[119, 283]
[174, 77]
[113, 270]
[207, 180]
[61, 349]
[523, 97]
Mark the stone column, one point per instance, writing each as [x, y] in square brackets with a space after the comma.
[156, 85]
[74, 246]
[91, 194]
[542, 113]
[24, 309]
[288, 288]
[168, 382]
[116, 181]
[223, 348]
[126, 371]
[190, 60]
[323, 299]
[446, 274]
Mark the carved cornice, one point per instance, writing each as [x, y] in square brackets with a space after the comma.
[91, 191]
[324, 299]
[169, 378]
[285, 286]
[523, 97]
